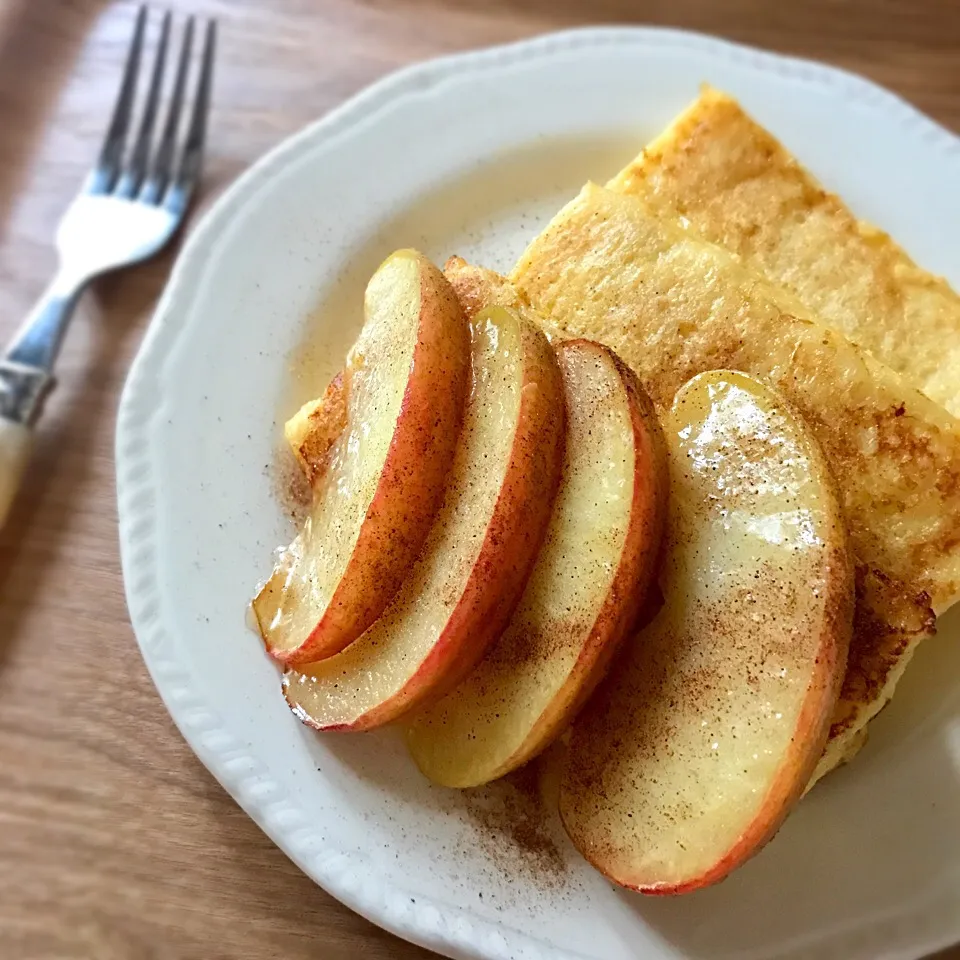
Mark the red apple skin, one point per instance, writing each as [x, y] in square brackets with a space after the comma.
[638, 559]
[595, 624]
[412, 482]
[510, 545]
[812, 727]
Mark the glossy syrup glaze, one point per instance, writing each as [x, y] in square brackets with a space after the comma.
[477, 555]
[717, 713]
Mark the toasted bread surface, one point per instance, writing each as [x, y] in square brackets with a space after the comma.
[738, 186]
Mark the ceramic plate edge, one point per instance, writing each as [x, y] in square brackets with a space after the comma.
[449, 930]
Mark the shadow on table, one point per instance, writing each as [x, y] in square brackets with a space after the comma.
[39, 43]
[77, 424]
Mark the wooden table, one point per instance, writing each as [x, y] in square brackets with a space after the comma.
[114, 842]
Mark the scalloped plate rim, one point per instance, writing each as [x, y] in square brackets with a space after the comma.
[139, 407]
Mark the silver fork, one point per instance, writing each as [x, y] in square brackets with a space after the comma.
[132, 203]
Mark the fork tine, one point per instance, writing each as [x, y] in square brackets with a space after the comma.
[191, 159]
[161, 170]
[136, 169]
[108, 165]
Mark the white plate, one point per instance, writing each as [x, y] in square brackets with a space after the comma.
[471, 154]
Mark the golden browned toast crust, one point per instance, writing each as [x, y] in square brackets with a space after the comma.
[737, 186]
[312, 430]
[673, 305]
[477, 287]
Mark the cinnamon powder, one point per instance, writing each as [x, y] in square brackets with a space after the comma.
[291, 489]
[514, 826]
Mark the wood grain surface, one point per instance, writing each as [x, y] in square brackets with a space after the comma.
[114, 842]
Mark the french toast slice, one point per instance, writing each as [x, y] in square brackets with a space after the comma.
[673, 305]
[738, 186]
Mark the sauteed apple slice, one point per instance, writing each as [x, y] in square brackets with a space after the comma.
[688, 759]
[475, 562]
[585, 590]
[384, 474]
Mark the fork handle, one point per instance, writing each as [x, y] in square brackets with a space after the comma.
[16, 442]
[25, 379]
[37, 342]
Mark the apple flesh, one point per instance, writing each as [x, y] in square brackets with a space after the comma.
[476, 560]
[584, 593]
[690, 756]
[385, 470]
[312, 430]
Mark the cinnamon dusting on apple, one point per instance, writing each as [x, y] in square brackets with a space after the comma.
[291, 489]
[714, 719]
